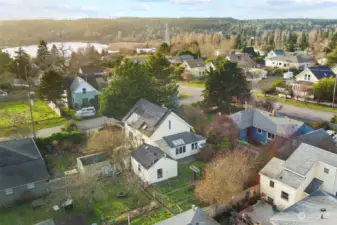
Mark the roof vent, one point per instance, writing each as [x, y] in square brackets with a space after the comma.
[323, 210]
[146, 147]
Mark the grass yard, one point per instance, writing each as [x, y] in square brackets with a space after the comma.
[198, 84]
[267, 83]
[297, 103]
[152, 217]
[184, 95]
[105, 204]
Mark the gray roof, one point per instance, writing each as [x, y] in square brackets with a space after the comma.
[294, 58]
[92, 69]
[190, 217]
[280, 126]
[94, 158]
[20, 163]
[318, 138]
[306, 156]
[147, 155]
[273, 168]
[309, 211]
[149, 118]
[193, 63]
[314, 185]
[186, 137]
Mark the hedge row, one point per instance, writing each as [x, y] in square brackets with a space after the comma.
[75, 137]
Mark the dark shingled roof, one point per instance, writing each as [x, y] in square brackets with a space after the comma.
[314, 185]
[195, 63]
[150, 116]
[91, 79]
[92, 69]
[148, 155]
[95, 158]
[20, 163]
[71, 219]
[322, 72]
[186, 137]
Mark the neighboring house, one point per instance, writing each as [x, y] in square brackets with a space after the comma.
[318, 138]
[94, 164]
[239, 58]
[308, 77]
[196, 67]
[261, 126]
[92, 70]
[68, 219]
[319, 208]
[308, 169]
[209, 66]
[99, 82]
[323, 61]
[146, 50]
[194, 216]
[180, 59]
[155, 125]
[276, 52]
[80, 93]
[299, 62]
[152, 165]
[23, 172]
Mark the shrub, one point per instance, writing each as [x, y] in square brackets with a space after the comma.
[75, 137]
[207, 153]
[320, 124]
[70, 127]
[279, 83]
[67, 113]
[277, 72]
[334, 119]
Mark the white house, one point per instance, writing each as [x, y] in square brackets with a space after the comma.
[309, 76]
[152, 124]
[146, 50]
[152, 165]
[197, 67]
[299, 62]
[276, 52]
[308, 169]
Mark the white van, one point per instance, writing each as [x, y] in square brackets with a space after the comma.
[86, 112]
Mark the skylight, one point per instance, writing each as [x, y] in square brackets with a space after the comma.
[178, 142]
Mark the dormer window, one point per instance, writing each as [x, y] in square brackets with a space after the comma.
[84, 90]
[308, 77]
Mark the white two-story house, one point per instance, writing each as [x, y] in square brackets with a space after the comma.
[160, 127]
[308, 169]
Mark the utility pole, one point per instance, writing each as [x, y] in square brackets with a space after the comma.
[334, 93]
[31, 103]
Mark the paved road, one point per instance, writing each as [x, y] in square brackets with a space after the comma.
[195, 94]
[290, 110]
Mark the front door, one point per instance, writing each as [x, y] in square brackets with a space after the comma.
[270, 201]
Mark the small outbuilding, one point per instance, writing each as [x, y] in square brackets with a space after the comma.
[95, 164]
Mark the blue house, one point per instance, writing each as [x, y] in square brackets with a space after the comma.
[82, 94]
[261, 126]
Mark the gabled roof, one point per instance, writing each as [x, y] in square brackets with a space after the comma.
[294, 58]
[92, 69]
[309, 211]
[280, 126]
[20, 163]
[149, 116]
[91, 79]
[235, 57]
[190, 217]
[279, 52]
[79, 83]
[147, 155]
[183, 138]
[322, 72]
[314, 185]
[318, 138]
[193, 63]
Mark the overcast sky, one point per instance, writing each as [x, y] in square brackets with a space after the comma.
[240, 9]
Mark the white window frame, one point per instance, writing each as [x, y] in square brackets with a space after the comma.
[139, 168]
[31, 186]
[259, 131]
[9, 191]
[270, 138]
[326, 170]
[194, 146]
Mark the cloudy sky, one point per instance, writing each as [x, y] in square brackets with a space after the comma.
[240, 9]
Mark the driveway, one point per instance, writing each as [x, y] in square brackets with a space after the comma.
[194, 93]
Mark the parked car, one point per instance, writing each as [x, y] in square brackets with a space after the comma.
[86, 112]
[3, 93]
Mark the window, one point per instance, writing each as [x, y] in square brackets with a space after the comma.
[84, 90]
[139, 168]
[180, 150]
[270, 136]
[326, 170]
[271, 183]
[9, 191]
[284, 195]
[305, 77]
[160, 173]
[194, 146]
[177, 151]
[259, 131]
[308, 77]
[31, 186]
[169, 124]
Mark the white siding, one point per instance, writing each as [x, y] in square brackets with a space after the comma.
[168, 166]
[178, 125]
[301, 76]
[85, 85]
[329, 180]
[188, 152]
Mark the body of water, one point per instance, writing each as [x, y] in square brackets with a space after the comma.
[69, 46]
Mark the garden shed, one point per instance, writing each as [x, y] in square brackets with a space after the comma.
[95, 164]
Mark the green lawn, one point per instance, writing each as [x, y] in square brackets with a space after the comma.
[106, 204]
[44, 116]
[184, 95]
[298, 103]
[152, 217]
[198, 84]
[267, 83]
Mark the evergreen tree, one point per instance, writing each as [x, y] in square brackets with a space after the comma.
[52, 86]
[42, 55]
[5, 60]
[304, 42]
[21, 64]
